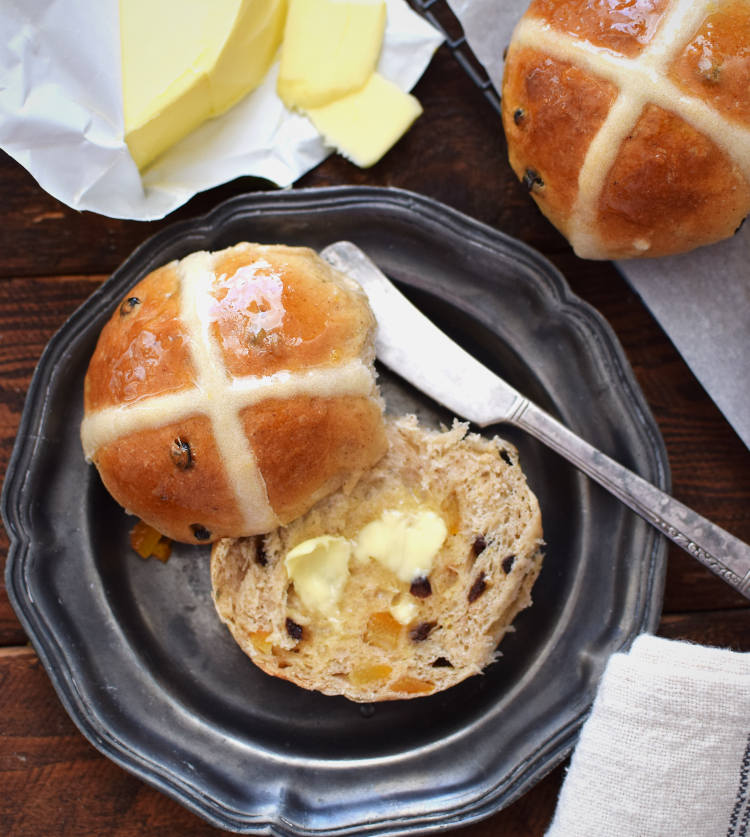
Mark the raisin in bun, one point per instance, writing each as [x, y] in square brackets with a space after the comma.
[232, 390]
[629, 123]
[334, 605]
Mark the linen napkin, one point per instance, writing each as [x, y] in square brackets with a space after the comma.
[665, 751]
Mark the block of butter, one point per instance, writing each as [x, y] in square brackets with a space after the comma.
[365, 124]
[184, 61]
[331, 47]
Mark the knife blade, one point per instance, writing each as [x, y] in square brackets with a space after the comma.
[414, 347]
[428, 359]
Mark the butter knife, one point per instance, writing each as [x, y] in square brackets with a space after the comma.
[412, 346]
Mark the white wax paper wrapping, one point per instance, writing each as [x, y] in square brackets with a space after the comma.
[701, 298]
[61, 112]
[488, 25]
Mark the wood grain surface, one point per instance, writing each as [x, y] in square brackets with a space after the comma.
[53, 781]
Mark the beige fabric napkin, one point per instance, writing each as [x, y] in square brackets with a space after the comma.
[665, 751]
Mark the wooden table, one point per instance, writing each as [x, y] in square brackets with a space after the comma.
[52, 781]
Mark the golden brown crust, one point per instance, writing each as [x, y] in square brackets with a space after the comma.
[666, 169]
[323, 323]
[306, 448]
[234, 392]
[715, 65]
[622, 27]
[142, 350]
[551, 111]
[172, 478]
[630, 123]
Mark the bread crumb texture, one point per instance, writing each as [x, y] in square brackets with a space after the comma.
[389, 638]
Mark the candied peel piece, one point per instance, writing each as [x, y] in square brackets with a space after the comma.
[260, 640]
[148, 542]
[451, 512]
[162, 550]
[364, 675]
[412, 685]
[383, 631]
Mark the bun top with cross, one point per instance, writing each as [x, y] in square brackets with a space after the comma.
[629, 121]
[232, 390]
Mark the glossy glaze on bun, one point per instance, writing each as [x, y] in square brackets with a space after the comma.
[232, 390]
[629, 123]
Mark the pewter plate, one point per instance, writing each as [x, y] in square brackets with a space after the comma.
[154, 681]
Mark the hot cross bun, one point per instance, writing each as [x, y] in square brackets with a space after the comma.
[231, 390]
[629, 122]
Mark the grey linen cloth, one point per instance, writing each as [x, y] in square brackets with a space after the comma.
[665, 751]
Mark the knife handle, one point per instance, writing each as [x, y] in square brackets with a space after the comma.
[720, 551]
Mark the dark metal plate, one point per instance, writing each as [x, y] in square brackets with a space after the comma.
[139, 658]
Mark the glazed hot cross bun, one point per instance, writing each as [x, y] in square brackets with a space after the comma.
[232, 390]
[629, 122]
